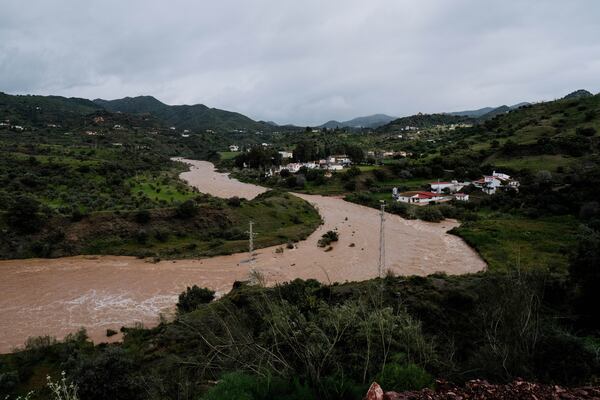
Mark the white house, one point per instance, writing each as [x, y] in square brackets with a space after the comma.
[490, 184]
[339, 159]
[461, 196]
[453, 186]
[234, 148]
[335, 167]
[286, 154]
[422, 198]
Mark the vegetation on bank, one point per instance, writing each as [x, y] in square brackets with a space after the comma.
[307, 340]
[60, 195]
[552, 148]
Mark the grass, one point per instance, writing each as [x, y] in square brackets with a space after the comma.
[228, 155]
[159, 188]
[508, 242]
[279, 218]
[534, 163]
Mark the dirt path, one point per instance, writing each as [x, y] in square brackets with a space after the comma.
[57, 296]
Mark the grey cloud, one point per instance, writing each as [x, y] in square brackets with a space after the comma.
[303, 62]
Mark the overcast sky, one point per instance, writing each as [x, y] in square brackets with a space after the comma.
[305, 61]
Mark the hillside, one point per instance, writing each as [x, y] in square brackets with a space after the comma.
[424, 121]
[578, 94]
[42, 110]
[488, 112]
[196, 117]
[542, 136]
[370, 121]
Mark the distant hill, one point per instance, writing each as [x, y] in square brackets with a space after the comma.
[488, 112]
[41, 110]
[193, 117]
[424, 121]
[578, 94]
[369, 121]
[473, 113]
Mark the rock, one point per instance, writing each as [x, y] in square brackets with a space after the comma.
[375, 392]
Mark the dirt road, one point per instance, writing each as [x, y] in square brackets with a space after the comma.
[57, 296]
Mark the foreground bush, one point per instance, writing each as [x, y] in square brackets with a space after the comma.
[193, 297]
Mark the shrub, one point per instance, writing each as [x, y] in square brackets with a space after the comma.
[380, 174]
[141, 236]
[22, 214]
[328, 238]
[234, 201]
[401, 378]
[142, 216]
[350, 185]
[187, 209]
[193, 297]
[429, 214]
[586, 131]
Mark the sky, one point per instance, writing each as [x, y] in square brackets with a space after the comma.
[303, 62]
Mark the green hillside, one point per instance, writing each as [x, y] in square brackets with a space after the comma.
[192, 117]
[424, 121]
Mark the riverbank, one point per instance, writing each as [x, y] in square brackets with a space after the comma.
[57, 296]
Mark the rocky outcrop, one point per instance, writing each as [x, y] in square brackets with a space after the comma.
[482, 390]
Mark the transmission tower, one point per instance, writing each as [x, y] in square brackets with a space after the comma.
[382, 240]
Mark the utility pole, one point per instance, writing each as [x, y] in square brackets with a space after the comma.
[382, 240]
[251, 236]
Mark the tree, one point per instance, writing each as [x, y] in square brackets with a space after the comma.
[23, 216]
[187, 209]
[193, 297]
[355, 153]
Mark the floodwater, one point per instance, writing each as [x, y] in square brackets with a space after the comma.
[58, 296]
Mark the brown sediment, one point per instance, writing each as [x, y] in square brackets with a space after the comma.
[57, 296]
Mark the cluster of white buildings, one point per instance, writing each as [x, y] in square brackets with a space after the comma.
[421, 198]
[331, 163]
[447, 191]
[388, 154]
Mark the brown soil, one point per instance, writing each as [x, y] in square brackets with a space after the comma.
[57, 296]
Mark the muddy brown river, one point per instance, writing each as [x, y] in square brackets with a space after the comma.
[58, 296]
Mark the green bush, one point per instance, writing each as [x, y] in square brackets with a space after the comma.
[22, 214]
[142, 216]
[399, 378]
[328, 238]
[429, 214]
[187, 209]
[193, 297]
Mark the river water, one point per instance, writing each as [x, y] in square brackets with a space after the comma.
[58, 296]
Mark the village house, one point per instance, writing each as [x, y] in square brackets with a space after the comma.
[453, 186]
[490, 184]
[461, 196]
[421, 198]
[286, 154]
[234, 148]
[342, 159]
